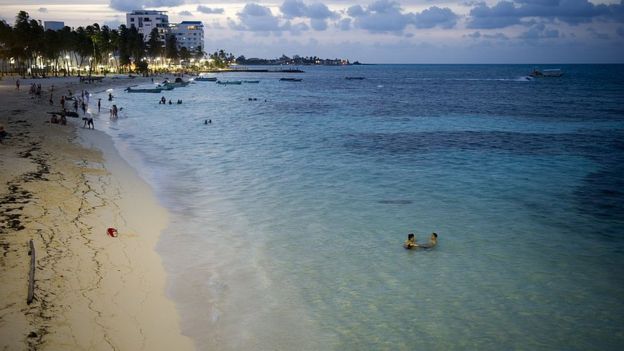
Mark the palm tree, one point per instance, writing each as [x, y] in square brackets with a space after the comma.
[171, 47]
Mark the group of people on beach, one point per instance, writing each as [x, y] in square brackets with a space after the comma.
[35, 89]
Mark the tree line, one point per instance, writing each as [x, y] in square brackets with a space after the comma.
[27, 49]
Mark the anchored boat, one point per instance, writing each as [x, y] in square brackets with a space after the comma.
[146, 90]
[206, 79]
[230, 82]
[555, 72]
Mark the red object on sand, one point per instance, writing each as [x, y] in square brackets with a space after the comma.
[112, 232]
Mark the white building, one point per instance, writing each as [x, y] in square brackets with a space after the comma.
[189, 34]
[53, 25]
[146, 20]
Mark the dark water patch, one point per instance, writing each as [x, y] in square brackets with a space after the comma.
[602, 193]
[395, 202]
[581, 144]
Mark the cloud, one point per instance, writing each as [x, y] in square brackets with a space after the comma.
[598, 35]
[507, 13]
[185, 13]
[495, 36]
[295, 29]
[539, 31]
[356, 11]
[293, 8]
[385, 16]
[381, 16]
[435, 16]
[113, 24]
[344, 24]
[209, 10]
[318, 13]
[500, 15]
[257, 18]
[129, 5]
[42, 9]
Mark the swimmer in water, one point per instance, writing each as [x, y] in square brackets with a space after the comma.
[433, 241]
[410, 243]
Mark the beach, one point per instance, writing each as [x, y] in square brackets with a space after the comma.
[282, 221]
[62, 187]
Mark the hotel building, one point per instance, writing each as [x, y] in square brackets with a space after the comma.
[146, 20]
[189, 34]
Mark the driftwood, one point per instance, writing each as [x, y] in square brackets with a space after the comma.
[31, 275]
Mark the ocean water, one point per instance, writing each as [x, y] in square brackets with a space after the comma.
[289, 211]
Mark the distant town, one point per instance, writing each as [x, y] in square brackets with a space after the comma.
[147, 43]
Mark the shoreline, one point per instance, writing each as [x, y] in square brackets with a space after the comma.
[67, 185]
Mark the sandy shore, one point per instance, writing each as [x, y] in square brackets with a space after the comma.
[92, 292]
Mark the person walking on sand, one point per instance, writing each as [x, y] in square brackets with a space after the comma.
[3, 133]
[17, 82]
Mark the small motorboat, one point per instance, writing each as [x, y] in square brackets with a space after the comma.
[251, 81]
[147, 90]
[230, 82]
[178, 83]
[355, 78]
[206, 79]
[546, 73]
[291, 79]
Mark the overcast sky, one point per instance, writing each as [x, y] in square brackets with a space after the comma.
[378, 31]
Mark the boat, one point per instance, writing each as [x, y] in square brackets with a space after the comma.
[251, 81]
[146, 90]
[206, 79]
[291, 79]
[230, 82]
[355, 78]
[555, 72]
[178, 83]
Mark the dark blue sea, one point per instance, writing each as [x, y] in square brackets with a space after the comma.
[290, 209]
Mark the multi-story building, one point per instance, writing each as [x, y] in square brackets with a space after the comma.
[53, 25]
[146, 20]
[189, 34]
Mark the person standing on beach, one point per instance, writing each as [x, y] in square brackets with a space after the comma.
[17, 82]
[99, 104]
[110, 96]
[63, 102]
[3, 133]
[76, 105]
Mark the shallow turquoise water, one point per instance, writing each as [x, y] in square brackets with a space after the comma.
[289, 213]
